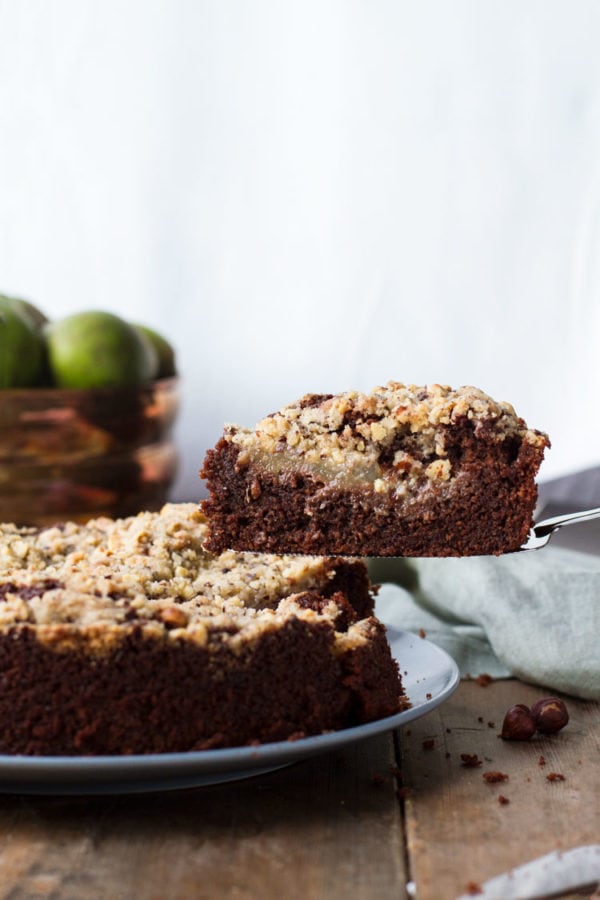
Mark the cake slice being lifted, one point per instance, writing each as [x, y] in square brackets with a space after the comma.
[401, 471]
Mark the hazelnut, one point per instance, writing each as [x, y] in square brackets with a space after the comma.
[519, 724]
[173, 617]
[550, 715]
[255, 489]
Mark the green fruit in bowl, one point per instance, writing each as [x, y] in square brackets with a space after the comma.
[164, 350]
[21, 348]
[98, 349]
[27, 310]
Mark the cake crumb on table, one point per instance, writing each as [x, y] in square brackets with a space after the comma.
[494, 777]
[470, 760]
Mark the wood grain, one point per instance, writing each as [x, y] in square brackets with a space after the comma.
[329, 827]
[457, 830]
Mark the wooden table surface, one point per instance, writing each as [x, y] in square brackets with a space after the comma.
[363, 822]
[358, 823]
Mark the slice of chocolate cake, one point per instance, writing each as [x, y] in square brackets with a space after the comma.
[126, 636]
[402, 471]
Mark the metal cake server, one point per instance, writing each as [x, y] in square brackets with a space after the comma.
[541, 533]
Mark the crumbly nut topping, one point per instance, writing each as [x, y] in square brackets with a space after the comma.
[150, 568]
[353, 432]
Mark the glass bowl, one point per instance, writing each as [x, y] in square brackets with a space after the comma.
[70, 454]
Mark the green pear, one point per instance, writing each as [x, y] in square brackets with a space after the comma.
[21, 348]
[164, 350]
[98, 349]
[27, 309]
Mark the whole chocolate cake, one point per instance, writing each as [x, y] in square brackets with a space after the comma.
[127, 636]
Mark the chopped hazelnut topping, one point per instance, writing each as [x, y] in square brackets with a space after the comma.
[389, 437]
[173, 617]
[151, 568]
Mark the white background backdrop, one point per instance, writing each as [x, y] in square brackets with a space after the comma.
[316, 195]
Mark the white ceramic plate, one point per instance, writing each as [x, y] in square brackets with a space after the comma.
[429, 675]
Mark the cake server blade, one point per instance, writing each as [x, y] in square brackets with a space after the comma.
[542, 531]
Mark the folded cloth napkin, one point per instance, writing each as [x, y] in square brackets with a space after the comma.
[533, 615]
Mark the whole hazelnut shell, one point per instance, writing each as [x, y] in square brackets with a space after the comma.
[550, 715]
[519, 724]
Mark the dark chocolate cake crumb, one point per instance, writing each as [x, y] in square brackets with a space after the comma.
[494, 777]
[470, 760]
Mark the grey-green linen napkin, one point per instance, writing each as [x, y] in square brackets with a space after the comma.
[534, 615]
